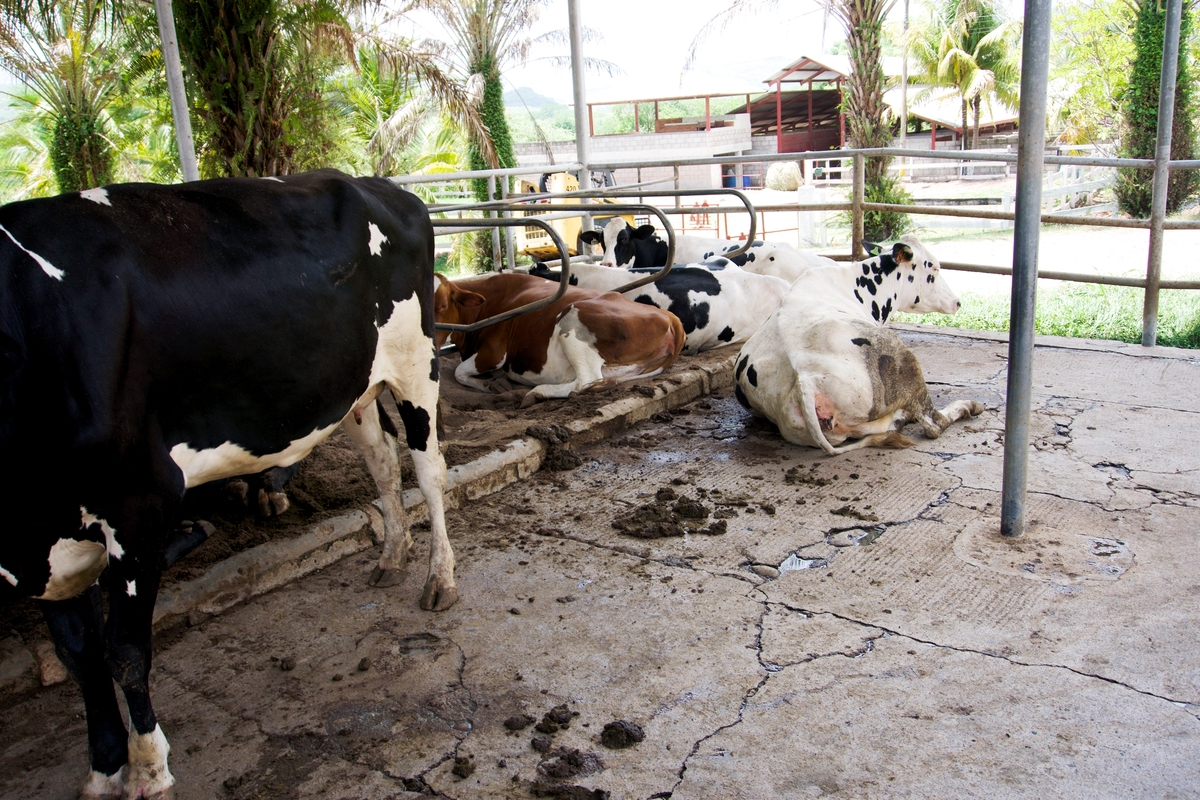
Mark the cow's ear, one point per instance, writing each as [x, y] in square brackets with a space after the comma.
[644, 232]
[902, 253]
[591, 237]
[872, 248]
[469, 299]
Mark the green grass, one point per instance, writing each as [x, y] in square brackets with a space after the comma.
[1084, 311]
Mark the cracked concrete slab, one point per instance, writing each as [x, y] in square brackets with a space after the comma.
[911, 720]
[855, 628]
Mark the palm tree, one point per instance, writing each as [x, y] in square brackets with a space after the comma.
[259, 69]
[68, 56]
[867, 116]
[972, 50]
[388, 115]
[487, 36]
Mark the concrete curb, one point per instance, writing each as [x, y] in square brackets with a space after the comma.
[269, 566]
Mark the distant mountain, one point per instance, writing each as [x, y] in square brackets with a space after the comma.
[514, 97]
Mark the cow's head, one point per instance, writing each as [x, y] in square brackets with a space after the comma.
[618, 242]
[923, 275]
[455, 305]
[908, 279]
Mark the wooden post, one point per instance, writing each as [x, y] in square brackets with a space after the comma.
[707, 113]
[810, 115]
[779, 117]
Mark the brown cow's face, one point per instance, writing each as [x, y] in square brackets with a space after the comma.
[454, 305]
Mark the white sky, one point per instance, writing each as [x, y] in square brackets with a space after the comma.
[649, 39]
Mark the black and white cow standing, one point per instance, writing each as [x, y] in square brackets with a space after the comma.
[824, 369]
[158, 337]
[718, 305]
[628, 247]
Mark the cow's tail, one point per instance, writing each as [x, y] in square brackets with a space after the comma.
[807, 390]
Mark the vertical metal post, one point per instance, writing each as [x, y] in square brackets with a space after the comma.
[497, 264]
[510, 256]
[1162, 155]
[707, 113]
[904, 83]
[856, 209]
[677, 204]
[579, 90]
[175, 88]
[1031, 145]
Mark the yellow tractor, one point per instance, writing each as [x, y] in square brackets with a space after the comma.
[534, 241]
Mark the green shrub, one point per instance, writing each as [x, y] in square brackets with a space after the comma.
[884, 226]
[1134, 187]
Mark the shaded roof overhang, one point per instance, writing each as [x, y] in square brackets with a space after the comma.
[793, 113]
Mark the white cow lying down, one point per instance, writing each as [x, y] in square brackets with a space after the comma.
[824, 369]
[763, 258]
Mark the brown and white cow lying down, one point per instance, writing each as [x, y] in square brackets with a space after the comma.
[586, 340]
[824, 369]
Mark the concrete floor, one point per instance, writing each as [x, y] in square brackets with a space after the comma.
[904, 650]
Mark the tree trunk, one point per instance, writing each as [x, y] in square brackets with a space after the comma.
[865, 109]
[492, 114]
[238, 71]
[962, 145]
[975, 105]
[80, 155]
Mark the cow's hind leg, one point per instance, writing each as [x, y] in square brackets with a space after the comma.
[383, 461]
[417, 396]
[75, 626]
[579, 348]
[934, 422]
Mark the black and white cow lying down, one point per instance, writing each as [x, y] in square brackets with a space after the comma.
[627, 247]
[718, 305]
[824, 369]
[158, 337]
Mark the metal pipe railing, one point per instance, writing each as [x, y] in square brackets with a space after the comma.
[564, 280]
[940, 211]
[1075, 277]
[619, 208]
